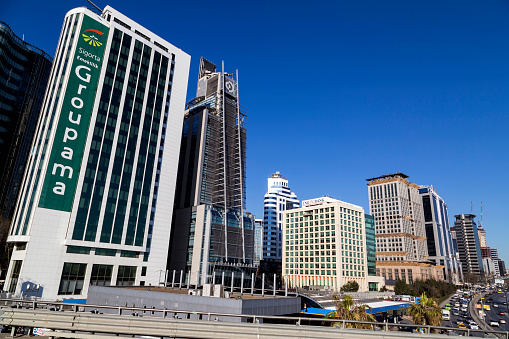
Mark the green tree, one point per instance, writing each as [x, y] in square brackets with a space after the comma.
[383, 289]
[426, 312]
[401, 287]
[348, 309]
[351, 286]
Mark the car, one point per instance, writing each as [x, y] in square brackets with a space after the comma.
[504, 303]
[456, 313]
[495, 305]
[474, 326]
[501, 313]
[502, 321]
[462, 326]
[457, 304]
[494, 323]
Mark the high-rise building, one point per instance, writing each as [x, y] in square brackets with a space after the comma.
[258, 241]
[395, 204]
[467, 240]
[325, 244]
[278, 199]
[97, 196]
[211, 234]
[24, 70]
[481, 232]
[439, 240]
[491, 253]
[369, 222]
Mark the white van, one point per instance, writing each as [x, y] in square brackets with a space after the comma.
[446, 314]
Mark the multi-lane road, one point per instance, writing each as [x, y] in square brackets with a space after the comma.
[492, 315]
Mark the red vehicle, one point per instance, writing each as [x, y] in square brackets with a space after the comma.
[501, 313]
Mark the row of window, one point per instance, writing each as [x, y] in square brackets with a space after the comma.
[73, 277]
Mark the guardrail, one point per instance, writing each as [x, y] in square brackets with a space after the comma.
[194, 324]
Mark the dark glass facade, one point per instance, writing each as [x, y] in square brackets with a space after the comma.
[369, 221]
[24, 73]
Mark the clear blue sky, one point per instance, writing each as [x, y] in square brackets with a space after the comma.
[341, 91]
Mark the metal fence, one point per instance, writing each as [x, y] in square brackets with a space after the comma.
[15, 312]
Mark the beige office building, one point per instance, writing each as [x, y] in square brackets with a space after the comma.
[324, 243]
[395, 204]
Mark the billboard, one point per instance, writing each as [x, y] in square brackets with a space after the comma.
[74, 117]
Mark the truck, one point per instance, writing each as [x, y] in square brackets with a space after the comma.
[446, 314]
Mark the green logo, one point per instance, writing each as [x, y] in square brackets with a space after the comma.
[74, 118]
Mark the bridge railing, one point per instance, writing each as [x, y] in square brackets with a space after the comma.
[139, 313]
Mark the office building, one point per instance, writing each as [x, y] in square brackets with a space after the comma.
[325, 244]
[438, 234]
[481, 232]
[211, 234]
[97, 196]
[24, 73]
[278, 199]
[467, 240]
[258, 241]
[395, 204]
[491, 253]
[369, 225]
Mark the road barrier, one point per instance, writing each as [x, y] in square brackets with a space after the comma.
[82, 323]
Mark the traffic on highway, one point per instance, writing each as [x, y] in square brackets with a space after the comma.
[493, 307]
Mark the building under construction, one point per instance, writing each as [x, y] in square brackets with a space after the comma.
[210, 232]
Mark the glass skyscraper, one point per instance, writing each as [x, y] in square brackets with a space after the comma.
[24, 72]
[95, 202]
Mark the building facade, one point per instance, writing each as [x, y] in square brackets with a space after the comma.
[481, 232]
[96, 197]
[439, 240]
[467, 240]
[408, 271]
[395, 204]
[211, 180]
[325, 244]
[258, 241]
[278, 199]
[24, 73]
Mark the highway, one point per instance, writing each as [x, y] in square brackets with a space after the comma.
[492, 315]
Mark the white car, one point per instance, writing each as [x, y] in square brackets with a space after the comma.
[495, 305]
[502, 321]
[474, 327]
[494, 324]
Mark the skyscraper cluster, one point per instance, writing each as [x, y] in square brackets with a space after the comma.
[111, 178]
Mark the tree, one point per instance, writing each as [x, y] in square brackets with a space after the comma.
[401, 287]
[351, 286]
[348, 309]
[426, 312]
[383, 289]
[471, 278]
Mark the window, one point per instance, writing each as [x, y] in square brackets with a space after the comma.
[16, 268]
[126, 275]
[73, 276]
[101, 275]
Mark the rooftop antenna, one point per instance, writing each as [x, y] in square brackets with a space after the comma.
[90, 2]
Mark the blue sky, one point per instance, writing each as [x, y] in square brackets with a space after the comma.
[341, 91]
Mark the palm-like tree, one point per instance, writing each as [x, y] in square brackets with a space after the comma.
[426, 312]
[348, 309]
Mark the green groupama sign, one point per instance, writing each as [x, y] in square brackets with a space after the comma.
[74, 118]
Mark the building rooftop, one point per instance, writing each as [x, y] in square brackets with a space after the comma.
[388, 176]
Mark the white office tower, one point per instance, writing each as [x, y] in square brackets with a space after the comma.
[278, 199]
[395, 204]
[96, 203]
